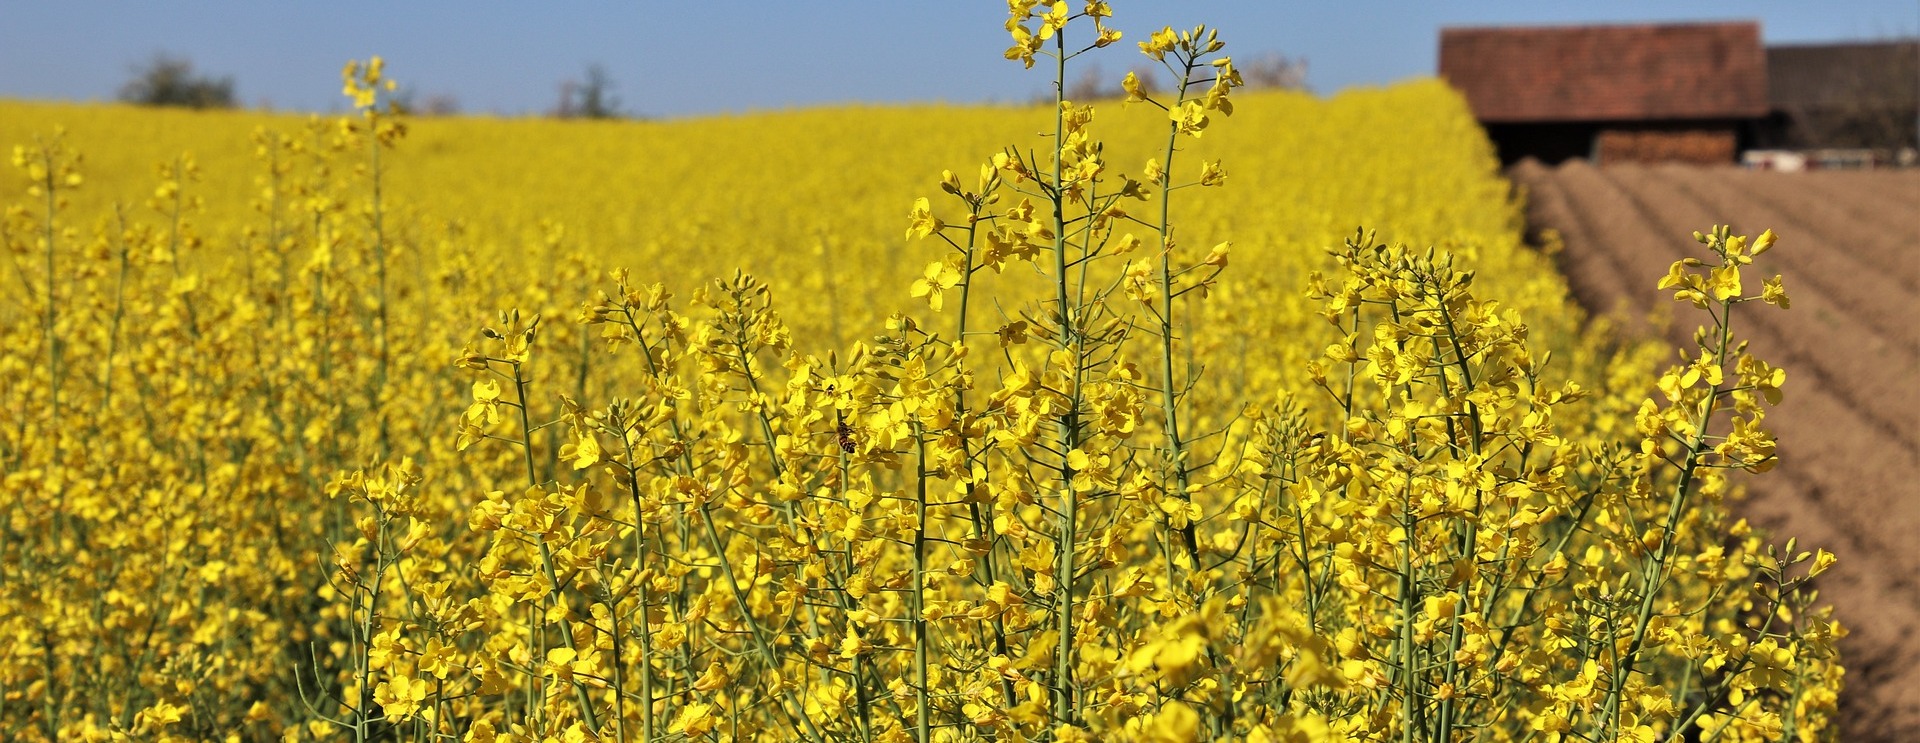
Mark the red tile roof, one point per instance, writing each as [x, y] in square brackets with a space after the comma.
[1608, 73]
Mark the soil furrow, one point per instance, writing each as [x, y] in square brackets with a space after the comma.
[1877, 607]
[1869, 374]
[1599, 228]
[1814, 409]
[1838, 253]
[1602, 287]
[1894, 183]
[1849, 475]
[1886, 203]
[1886, 249]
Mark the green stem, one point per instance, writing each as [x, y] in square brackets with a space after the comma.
[922, 712]
[1409, 602]
[753, 627]
[587, 713]
[1655, 572]
[640, 585]
[380, 261]
[54, 371]
[1066, 431]
[1471, 549]
[1169, 404]
[982, 525]
[119, 311]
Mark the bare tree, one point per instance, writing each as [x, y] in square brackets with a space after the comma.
[1275, 70]
[410, 101]
[591, 98]
[1092, 85]
[1879, 102]
[439, 104]
[167, 80]
[1849, 95]
[1149, 77]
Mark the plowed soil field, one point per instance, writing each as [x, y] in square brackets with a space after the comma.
[1849, 429]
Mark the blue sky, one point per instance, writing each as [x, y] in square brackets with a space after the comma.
[689, 58]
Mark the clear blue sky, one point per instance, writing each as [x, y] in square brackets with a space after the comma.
[709, 56]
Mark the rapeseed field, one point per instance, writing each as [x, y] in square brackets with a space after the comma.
[1205, 414]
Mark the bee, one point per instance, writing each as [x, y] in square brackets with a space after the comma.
[844, 433]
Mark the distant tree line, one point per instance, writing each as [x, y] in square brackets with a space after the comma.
[167, 80]
[170, 80]
[1267, 71]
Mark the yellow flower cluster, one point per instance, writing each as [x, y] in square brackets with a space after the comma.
[1049, 470]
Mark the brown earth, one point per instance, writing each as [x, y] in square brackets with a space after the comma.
[1849, 428]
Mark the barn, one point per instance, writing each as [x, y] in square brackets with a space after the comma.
[1686, 92]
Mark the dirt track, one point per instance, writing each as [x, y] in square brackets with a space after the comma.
[1849, 428]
